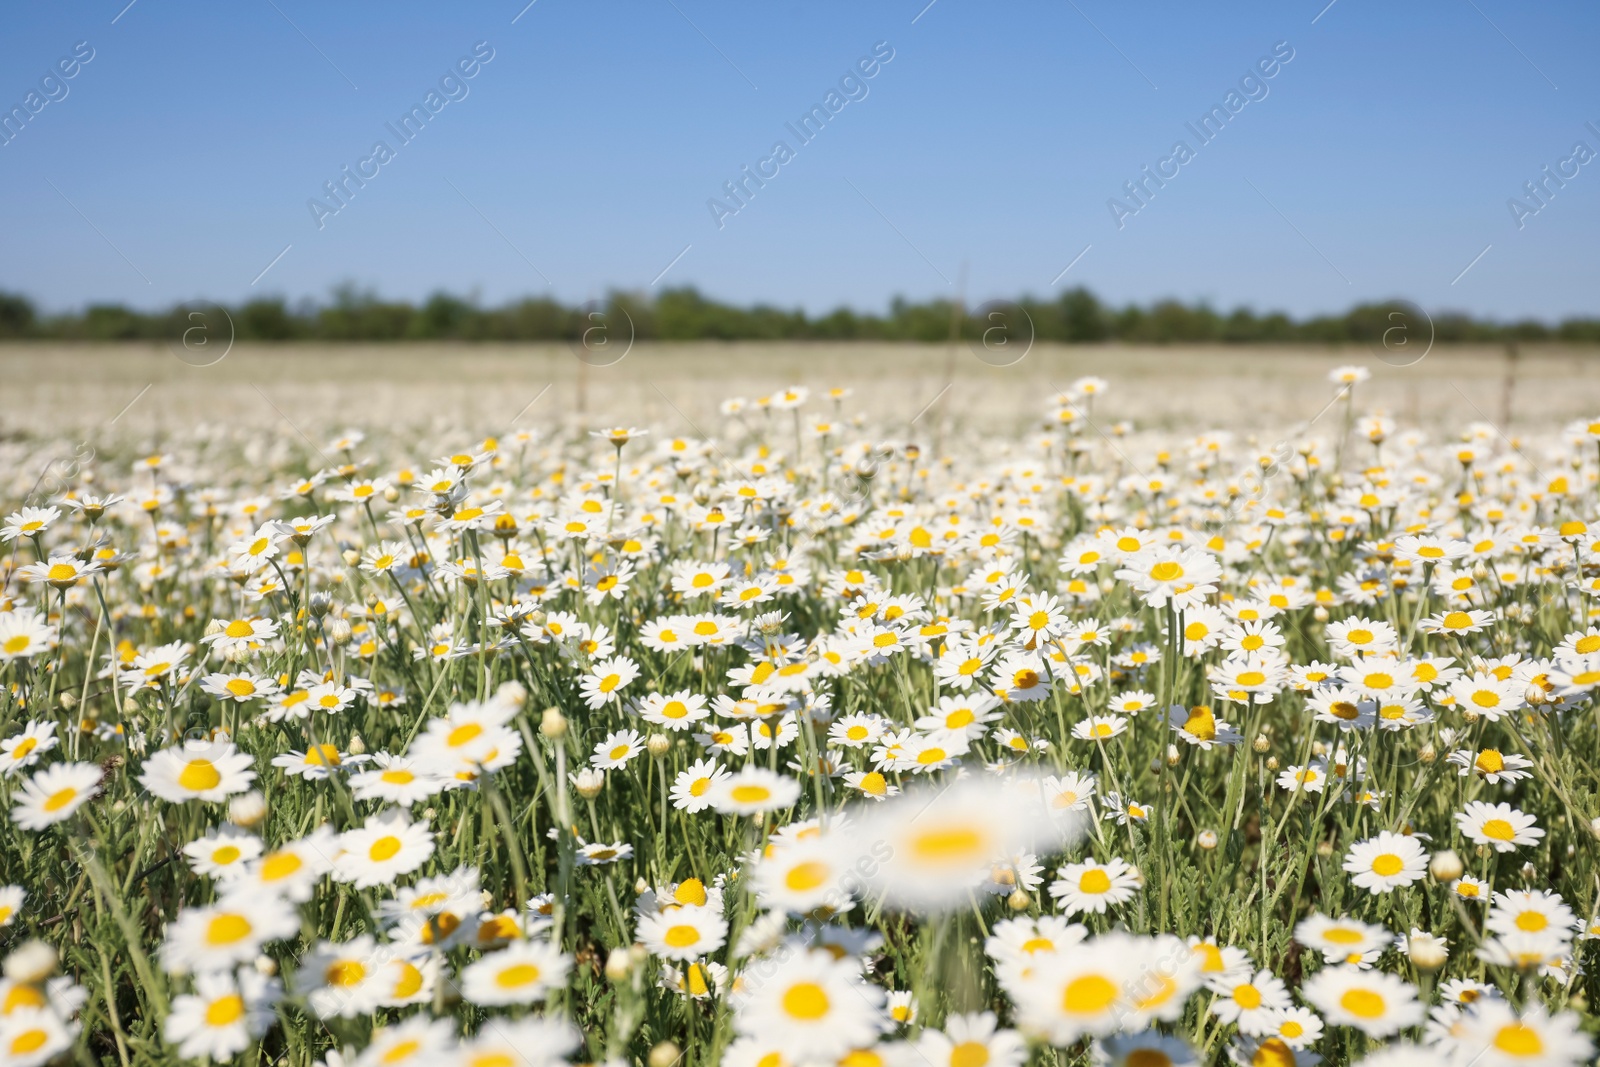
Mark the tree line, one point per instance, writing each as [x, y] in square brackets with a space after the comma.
[684, 314]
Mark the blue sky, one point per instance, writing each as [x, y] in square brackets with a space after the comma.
[582, 158]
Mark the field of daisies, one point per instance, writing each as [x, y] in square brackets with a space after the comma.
[803, 741]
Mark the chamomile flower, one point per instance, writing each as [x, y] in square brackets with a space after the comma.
[810, 1004]
[524, 972]
[683, 933]
[753, 790]
[971, 1039]
[1386, 862]
[224, 853]
[386, 846]
[229, 932]
[55, 794]
[24, 749]
[1374, 1002]
[209, 771]
[1093, 887]
[1500, 826]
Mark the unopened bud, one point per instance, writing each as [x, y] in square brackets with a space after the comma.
[1207, 839]
[358, 747]
[1174, 757]
[248, 809]
[1427, 754]
[340, 632]
[1272, 763]
[1262, 744]
[513, 693]
[351, 557]
[618, 964]
[31, 963]
[664, 1054]
[1324, 849]
[266, 966]
[589, 782]
[1018, 900]
[1319, 613]
[659, 745]
[553, 724]
[1428, 953]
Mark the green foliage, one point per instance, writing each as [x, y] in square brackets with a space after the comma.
[1077, 316]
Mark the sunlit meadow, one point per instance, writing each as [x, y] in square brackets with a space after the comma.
[795, 737]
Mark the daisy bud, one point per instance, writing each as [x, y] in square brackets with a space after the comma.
[31, 963]
[658, 745]
[1174, 757]
[358, 747]
[665, 1054]
[351, 557]
[553, 724]
[1319, 748]
[1018, 900]
[391, 494]
[512, 692]
[430, 813]
[215, 626]
[1319, 613]
[236, 654]
[1207, 839]
[1529, 872]
[1261, 744]
[1535, 695]
[340, 632]
[69, 701]
[266, 966]
[638, 956]
[1469, 715]
[1428, 953]
[248, 809]
[1594, 827]
[1272, 763]
[1479, 571]
[640, 887]
[589, 782]
[321, 604]
[131, 705]
[1427, 754]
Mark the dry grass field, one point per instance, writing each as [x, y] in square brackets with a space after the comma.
[91, 390]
